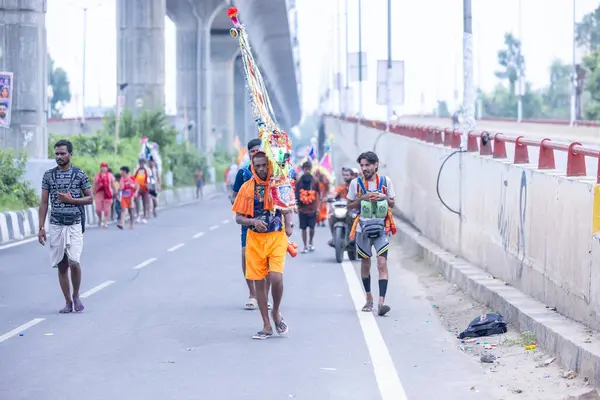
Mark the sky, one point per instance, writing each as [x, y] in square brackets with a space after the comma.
[426, 35]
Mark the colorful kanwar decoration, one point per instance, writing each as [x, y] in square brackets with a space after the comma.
[275, 142]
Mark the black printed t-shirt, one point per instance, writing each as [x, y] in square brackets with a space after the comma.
[56, 181]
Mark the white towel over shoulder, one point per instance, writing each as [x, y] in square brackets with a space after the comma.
[65, 239]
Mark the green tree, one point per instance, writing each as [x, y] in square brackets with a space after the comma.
[58, 79]
[587, 32]
[591, 63]
[587, 35]
[511, 61]
[557, 96]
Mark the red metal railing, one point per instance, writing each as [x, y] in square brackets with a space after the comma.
[496, 146]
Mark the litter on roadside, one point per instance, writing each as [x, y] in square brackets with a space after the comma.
[485, 325]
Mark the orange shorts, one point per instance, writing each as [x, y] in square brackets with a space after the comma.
[265, 252]
[126, 203]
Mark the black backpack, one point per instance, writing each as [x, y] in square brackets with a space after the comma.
[485, 325]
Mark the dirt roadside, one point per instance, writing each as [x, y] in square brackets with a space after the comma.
[518, 373]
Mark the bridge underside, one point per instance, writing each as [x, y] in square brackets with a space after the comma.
[209, 107]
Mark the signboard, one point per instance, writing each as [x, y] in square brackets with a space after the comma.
[6, 94]
[353, 66]
[396, 83]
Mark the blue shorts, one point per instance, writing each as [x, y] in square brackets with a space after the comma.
[244, 232]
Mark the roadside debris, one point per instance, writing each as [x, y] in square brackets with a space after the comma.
[486, 325]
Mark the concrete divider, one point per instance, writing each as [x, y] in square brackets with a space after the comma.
[531, 229]
[20, 225]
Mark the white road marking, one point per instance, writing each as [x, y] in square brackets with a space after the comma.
[198, 235]
[386, 375]
[226, 221]
[20, 329]
[212, 228]
[176, 247]
[145, 263]
[328, 369]
[96, 289]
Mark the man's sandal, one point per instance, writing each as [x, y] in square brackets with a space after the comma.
[251, 304]
[368, 307]
[262, 335]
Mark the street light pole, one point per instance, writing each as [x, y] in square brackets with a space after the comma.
[520, 85]
[83, 64]
[468, 84]
[347, 88]
[360, 73]
[573, 72]
[389, 65]
[338, 53]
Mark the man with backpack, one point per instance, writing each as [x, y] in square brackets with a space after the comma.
[373, 196]
[67, 189]
[308, 198]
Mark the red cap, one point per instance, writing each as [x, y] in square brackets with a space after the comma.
[103, 164]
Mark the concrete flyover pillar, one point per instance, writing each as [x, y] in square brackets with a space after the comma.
[188, 95]
[141, 52]
[240, 99]
[23, 52]
[245, 126]
[224, 50]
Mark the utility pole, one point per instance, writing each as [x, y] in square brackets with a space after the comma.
[83, 65]
[573, 117]
[347, 88]
[520, 77]
[338, 53]
[468, 96]
[360, 73]
[388, 82]
[468, 84]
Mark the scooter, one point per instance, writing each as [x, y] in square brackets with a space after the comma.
[342, 224]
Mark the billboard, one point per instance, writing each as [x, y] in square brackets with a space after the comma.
[6, 95]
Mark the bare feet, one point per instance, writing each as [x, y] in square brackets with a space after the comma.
[78, 304]
[67, 309]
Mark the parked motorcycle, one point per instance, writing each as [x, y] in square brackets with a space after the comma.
[342, 224]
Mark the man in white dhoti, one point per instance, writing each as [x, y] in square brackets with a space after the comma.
[68, 190]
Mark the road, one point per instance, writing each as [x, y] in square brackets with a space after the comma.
[164, 319]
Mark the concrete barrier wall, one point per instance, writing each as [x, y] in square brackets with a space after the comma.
[528, 228]
[20, 225]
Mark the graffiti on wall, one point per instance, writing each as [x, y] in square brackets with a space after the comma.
[504, 218]
[508, 217]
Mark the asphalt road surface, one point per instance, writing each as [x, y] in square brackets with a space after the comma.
[164, 320]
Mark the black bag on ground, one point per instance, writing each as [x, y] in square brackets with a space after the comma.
[485, 325]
